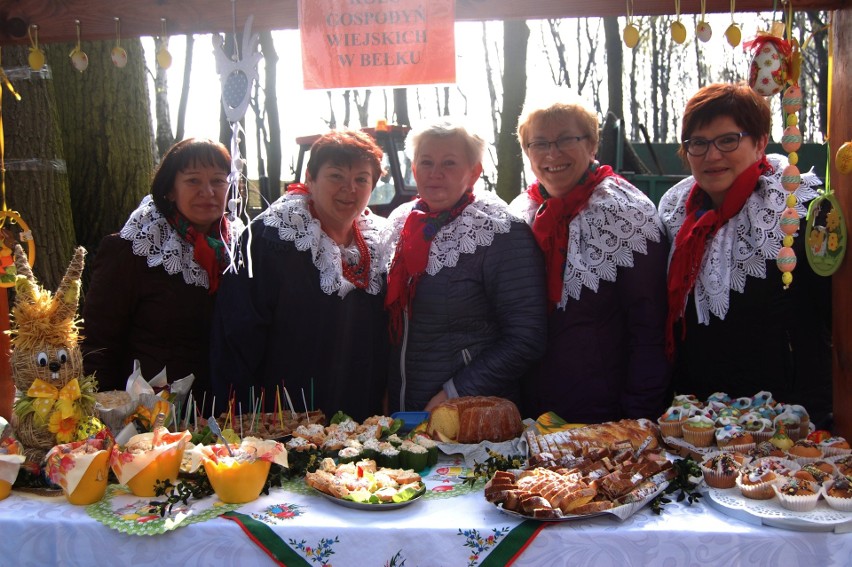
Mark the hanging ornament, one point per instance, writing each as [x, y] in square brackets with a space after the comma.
[164, 58]
[630, 35]
[678, 30]
[733, 33]
[843, 159]
[825, 233]
[36, 56]
[703, 31]
[79, 59]
[118, 54]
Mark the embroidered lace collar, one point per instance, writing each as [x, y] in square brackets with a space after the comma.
[291, 215]
[618, 221]
[153, 238]
[742, 247]
[476, 226]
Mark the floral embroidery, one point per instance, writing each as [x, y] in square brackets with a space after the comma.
[479, 544]
[319, 554]
[143, 511]
[277, 514]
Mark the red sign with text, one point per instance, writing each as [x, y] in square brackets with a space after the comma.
[377, 43]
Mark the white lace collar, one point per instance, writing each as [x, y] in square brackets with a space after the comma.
[476, 226]
[744, 244]
[153, 238]
[618, 221]
[291, 215]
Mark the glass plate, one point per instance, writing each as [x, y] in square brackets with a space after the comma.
[371, 507]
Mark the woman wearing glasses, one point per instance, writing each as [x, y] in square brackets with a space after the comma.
[605, 257]
[733, 325]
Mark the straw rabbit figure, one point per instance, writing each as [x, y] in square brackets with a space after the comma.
[54, 398]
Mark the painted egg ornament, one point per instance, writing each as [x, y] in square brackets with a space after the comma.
[678, 31]
[36, 59]
[843, 159]
[630, 35]
[792, 99]
[791, 178]
[79, 59]
[789, 221]
[733, 35]
[791, 139]
[119, 57]
[786, 259]
[164, 58]
[768, 70]
[703, 31]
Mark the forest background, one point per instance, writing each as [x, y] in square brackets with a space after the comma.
[80, 148]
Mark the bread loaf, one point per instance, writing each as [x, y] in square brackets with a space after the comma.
[473, 419]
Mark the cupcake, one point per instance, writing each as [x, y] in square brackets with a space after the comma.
[729, 412]
[768, 412]
[741, 404]
[843, 464]
[804, 451]
[720, 470]
[835, 446]
[756, 482]
[671, 421]
[766, 449]
[813, 473]
[686, 400]
[761, 429]
[791, 423]
[698, 431]
[734, 438]
[762, 398]
[780, 439]
[838, 493]
[781, 466]
[797, 494]
[804, 419]
[720, 397]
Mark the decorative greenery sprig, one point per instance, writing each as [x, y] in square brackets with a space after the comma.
[686, 470]
[495, 462]
[197, 487]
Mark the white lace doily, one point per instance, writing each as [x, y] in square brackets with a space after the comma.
[618, 221]
[743, 245]
[771, 512]
[292, 217]
[476, 226]
[153, 238]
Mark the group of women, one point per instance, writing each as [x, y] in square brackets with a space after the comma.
[580, 297]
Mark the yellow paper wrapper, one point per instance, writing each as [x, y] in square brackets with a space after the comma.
[146, 460]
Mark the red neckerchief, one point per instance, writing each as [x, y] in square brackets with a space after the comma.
[359, 274]
[550, 225]
[207, 249]
[701, 223]
[412, 254]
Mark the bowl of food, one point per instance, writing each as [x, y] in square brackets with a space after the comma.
[237, 473]
[149, 458]
[11, 459]
[81, 468]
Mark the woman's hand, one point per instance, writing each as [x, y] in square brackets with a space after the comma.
[436, 399]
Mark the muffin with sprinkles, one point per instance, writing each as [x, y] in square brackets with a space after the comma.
[838, 493]
[797, 494]
[756, 481]
[720, 470]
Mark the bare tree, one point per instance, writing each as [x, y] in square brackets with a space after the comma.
[164, 137]
[516, 35]
[184, 90]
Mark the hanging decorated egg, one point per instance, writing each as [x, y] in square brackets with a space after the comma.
[703, 31]
[792, 99]
[791, 139]
[733, 35]
[768, 68]
[119, 57]
[164, 58]
[843, 159]
[789, 221]
[678, 31]
[786, 259]
[36, 59]
[791, 178]
[630, 35]
[79, 59]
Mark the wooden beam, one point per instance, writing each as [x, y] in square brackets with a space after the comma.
[56, 18]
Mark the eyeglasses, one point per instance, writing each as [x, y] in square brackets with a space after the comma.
[562, 144]
[729, 142]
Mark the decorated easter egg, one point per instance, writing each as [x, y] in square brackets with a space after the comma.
[789, 221]
[118, 56]
[786, 259]
[164, 58]
[703, 31]
[630, 35]
[843, 158]
[768, 70]
[791, 178]
[792, 100]
[678, 32]
[36, 59]
[79, 59]
[791, 139]
[733, 35]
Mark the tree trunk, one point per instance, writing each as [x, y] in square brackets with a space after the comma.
[614, 66]
[165, 138]
[184, 89]
[273, 120]
[516, 34]
[105, 121]
[36, 180]
[400, 106]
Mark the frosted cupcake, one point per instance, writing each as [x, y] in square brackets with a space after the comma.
[756, 482]
[804, 419]
[720, 470]
[671, 421]
[834, 446]
[719, 397]
[797, 494]
[741, 404]
[805, 451]
[734, 438]
[686, 400]
[815, 473]
[761, 429]
[791, 423]
[698, 431]
[762, 398]
[838, 493]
